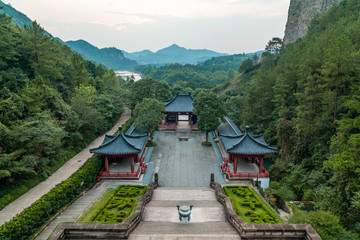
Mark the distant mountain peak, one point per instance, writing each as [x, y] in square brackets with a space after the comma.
[174, 46]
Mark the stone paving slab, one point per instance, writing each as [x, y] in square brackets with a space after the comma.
[209, 230]
[198, 203]
[60, 175]
[183, 163]
[184, 194]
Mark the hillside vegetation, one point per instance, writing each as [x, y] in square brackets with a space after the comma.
[52, 103]
[306, 101]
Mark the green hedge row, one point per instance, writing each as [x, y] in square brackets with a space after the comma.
[29, 221]
[248, 205]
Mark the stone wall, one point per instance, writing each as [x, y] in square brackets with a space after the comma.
[300, 14]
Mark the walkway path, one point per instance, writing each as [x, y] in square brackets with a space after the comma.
[75, 210]
[60, 175]
[160, 219]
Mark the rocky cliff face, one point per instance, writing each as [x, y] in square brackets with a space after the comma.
[301, 12]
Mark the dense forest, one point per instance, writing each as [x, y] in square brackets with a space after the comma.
[52, 103]
[185, 78]
[305, 99]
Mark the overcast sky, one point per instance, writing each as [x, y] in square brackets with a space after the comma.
[227, 26]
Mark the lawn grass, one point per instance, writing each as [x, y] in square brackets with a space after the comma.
[115, 205]
[249, 206]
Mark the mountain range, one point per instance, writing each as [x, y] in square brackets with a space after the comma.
[121, 60]
[173, 54]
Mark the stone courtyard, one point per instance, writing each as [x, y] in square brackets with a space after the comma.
[183, 163]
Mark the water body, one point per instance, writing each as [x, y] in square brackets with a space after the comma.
[125, 74]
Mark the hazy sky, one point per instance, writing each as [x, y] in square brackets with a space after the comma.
[229, 26]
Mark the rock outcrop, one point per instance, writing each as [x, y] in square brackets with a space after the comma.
[301, 12]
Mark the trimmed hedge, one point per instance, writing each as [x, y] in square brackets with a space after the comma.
[120, 205]
[248, 205]
[29, 221]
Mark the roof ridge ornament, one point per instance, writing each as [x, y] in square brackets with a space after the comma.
[247, 128]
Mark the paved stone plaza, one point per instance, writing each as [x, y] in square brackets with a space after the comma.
[183, 163]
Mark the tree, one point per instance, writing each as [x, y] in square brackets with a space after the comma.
[209, 109]
[274, 45]
[326, 224]
[150, 88]
[148, 114]
[42, 52]
[246, 65]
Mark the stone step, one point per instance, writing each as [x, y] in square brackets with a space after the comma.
[161, 230]
[184, 194]
[202, 211]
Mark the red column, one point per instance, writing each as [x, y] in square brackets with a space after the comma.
[261, 164]
[136, 158]
[235, 166]
[106, 165]
[132, 164]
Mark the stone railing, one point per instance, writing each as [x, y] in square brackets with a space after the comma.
[263, 231]
[105, 231]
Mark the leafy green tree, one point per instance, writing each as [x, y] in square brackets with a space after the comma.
[246, 65]
[87, 117]
[148, 115]
[150, 88]
[325, 223]
[209, 110]
[274, 45]
[8, 42]
[41, 51]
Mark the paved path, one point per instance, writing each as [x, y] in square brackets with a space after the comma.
[60, 175]
[161, 221]
[183, 163]
[74, 211]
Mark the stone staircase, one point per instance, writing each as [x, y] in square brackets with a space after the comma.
[161, 221]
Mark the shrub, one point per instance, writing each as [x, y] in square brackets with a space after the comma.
[248, 205]
[120, 205]
[207, 144]
[34, 217]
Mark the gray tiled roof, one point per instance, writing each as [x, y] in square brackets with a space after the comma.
[135, 132]
[180, 103]
[228, 128]
[121, 144]
[247, 144]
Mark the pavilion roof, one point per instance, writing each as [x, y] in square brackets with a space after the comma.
[246, 144]
[228, 128]
[121, 144]
[180, 104]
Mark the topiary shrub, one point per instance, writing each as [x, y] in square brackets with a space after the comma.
[120, 205]
[249, 206]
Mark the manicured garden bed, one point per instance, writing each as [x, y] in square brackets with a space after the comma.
[118, 206]
[249, 206]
